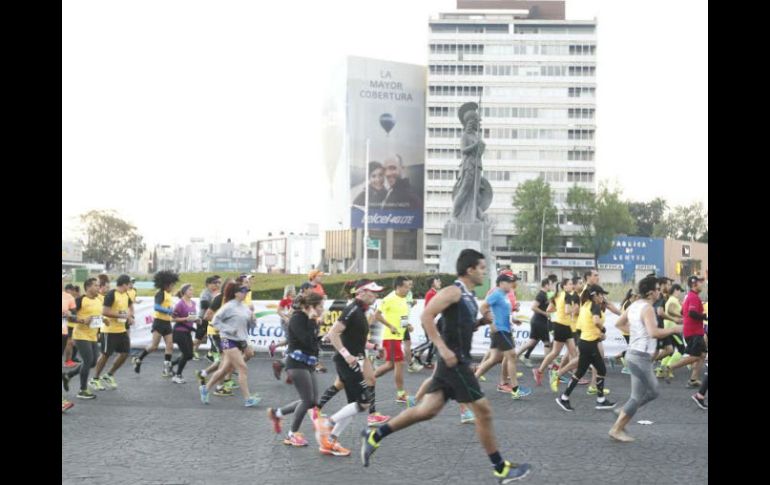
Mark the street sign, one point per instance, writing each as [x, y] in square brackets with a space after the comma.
[373, 244]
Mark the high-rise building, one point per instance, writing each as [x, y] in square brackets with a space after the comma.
[534, 74]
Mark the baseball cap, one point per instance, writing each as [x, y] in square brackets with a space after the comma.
[244, 276]
[692, 279]
[123, 279]
[314, 273]
[596, 290]
[506, 276]
[369, 285]
[304, 286]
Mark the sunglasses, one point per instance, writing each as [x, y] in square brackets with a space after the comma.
[242, 290]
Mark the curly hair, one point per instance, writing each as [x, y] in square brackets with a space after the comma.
[165, 278]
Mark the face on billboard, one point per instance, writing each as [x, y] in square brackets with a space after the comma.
[392, 170]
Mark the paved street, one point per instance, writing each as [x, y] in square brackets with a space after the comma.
[150, 431]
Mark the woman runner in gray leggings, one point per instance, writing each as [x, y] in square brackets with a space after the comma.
[640, 321]
[300, 365]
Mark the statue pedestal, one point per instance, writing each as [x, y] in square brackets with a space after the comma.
[457, 236]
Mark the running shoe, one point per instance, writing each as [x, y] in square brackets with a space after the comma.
[526, 361]
[694, 383]
[521, 392]
[333, 448]
[177, 379]
[669, 376]
[109, 382]
[271, 349]
[564, 379]
[429, 366]
[467, 417]
[592, 391]
[275, 420]
[402, 398]
[86, 394]
[625, 370]
[377, 419]
[295, 439]
[70, 363]
[519, 374]
[659, 373]
[506, 388]
[196, 356]
[607, 404]
[252, 401]
[223, 392]
[65, 405]
[137, 364]
[700, 402]
[512, 472]
[368, 446]
[482, 378]
[411, 402]
[200, 377]
[277, 368]
[204, 394]
[95, 384]
[210, 357]
[554, 381]
[415, 367]
[231, 384]
[538, 377]
[564, 404]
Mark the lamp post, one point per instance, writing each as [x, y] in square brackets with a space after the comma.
[542, 235]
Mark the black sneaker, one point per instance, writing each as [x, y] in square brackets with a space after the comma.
[700, 402]
[564, 404]
[607, 404]
[137, 364]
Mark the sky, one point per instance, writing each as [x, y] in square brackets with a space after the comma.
[203, 119]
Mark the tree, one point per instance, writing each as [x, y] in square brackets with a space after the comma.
[531, 200]
[647, 215]
[600, 217]
[687, 223]
[109, 239]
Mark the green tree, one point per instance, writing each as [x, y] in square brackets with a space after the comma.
[109, 239]
[533, 199]
[685, 222]
[647, 215]
[600, 217]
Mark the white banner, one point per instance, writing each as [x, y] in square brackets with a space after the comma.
[269, 328]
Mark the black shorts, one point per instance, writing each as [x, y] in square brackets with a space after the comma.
[576, 335]
[696, 345]
[228, 344]
[502, 341]
[561, 333]
[356, 389]
[115, 342]
[665, 342]
[407, 336]
[163, 327]
[457, 383]
[539, 331]
[202, 330]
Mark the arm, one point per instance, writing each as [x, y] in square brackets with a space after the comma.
[536, 309]
[622, 323]
[378, 316]
[611, 307]
[651, 324]
[334, 337]
[696, 315]
[438, 304]
[159, 304]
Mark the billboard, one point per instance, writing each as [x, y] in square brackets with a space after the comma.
[634, 254]
[385, 105]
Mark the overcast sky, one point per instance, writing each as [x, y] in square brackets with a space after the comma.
[203, 119]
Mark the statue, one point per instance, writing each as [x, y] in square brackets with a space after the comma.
[472, 193]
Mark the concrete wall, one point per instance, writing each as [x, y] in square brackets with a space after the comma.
[673, 254]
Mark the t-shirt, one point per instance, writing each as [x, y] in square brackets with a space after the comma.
[216, 304]
[562, 318]
[459, 323]
[163, 298]
[673, 307]
[590, 331]
[692, 326]
[659, 303]
[584, 316]
[542, 303]
[132, 294]
[117, 302]
[356, 328]
[429, 295]
[395, 309]
[501, 309]
[302, 336]
[285, 303]
[86, 307]
[67, 305]
[182, 309]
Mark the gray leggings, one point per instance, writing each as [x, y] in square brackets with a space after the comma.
[307, 387]
[644, 385]
[89, 351]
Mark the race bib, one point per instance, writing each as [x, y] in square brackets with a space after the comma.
[96, 322]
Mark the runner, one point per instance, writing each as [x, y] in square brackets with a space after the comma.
[453, 378]
[185, 317]
[412, 365]
[694, 334]
[641, 323]
[673, 316]
[201, 330]
[502, 337]
[434, 284]
[161, 326]
[303, 356]
[348, 335]
[232, 321]
[216, 345]
[590, 336]
[284, 313]
[87, 319]
[562, 332]
[393, 313]
[119, 313]
[538, 323]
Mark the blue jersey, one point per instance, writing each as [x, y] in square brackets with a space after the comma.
[501, 308]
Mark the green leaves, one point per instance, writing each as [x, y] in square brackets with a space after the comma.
[109, 239]
[531, 200]
[600, 217]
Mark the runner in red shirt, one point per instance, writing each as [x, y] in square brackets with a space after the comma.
[693, 316]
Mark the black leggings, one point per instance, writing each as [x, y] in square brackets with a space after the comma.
[704, 388]
[589, 355]
[307, 387]
[184, 341]
[89, 351]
